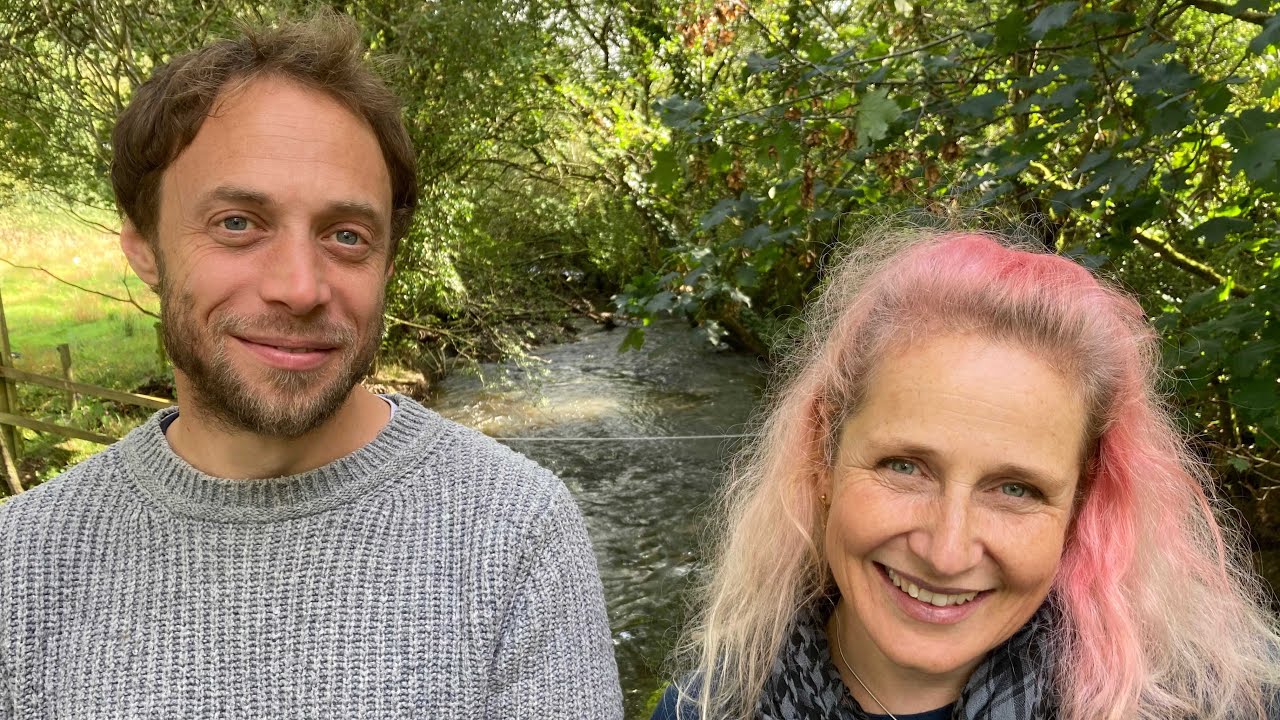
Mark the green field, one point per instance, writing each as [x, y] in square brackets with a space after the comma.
[112, 342]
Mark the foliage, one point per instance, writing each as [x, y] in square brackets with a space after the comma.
[516, 228]
[1138, 136]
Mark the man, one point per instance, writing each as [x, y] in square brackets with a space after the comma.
[286, 543]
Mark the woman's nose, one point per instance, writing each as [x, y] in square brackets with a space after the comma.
[947, 539]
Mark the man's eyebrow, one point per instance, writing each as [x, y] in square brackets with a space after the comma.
[358, 208]
[236, 194]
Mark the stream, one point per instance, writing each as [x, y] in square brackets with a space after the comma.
[644, 500]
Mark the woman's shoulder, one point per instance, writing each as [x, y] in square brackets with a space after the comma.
[670, 708]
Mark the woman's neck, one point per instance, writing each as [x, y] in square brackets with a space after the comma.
[889, 687]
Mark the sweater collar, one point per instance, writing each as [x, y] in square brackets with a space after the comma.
[171, 482]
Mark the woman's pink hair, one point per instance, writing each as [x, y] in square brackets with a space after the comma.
[1160, 615]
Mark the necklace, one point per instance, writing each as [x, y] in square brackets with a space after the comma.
[840, 650]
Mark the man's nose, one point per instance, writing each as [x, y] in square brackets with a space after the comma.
[947, 538]
[294, 274]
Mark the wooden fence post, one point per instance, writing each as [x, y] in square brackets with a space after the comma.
[11, 476]
[9, 437]
[64, 354]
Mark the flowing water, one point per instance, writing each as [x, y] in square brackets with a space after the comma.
[644, 500]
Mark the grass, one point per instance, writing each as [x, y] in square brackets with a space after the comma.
[112, 342]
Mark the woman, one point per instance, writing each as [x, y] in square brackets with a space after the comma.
[968, 501]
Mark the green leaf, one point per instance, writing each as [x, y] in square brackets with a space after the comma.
[1146, 55]
[1248, 359]
[1071, 95]
[1051, 18]
[1093, 160]
[1225, 293]
[839, 101]
[1259, 157]
[1009, 30]
[1215, 230]
[722, 159]
[1240, 464]
[1170, 116]
[1171, 78]
[680, 113]
[666, 172]
[663, 300]
[1269, 36]
[982, 106]
[1196, 302]
[723, 210]
[756, 237]
[875, 111]
[757, 63]
[746, 276]
[633, 341]
[1258, 396]
[1216, 101]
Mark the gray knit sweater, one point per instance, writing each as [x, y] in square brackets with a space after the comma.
[432, 574]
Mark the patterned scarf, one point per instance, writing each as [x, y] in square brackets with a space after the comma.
[1010, 684]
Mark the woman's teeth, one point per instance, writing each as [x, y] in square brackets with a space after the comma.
[925, 596]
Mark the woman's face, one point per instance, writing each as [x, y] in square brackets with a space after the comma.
[951, 494]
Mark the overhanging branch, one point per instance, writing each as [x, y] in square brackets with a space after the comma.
[1220, 8]
[1191, 265]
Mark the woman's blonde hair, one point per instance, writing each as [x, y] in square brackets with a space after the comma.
[1160, 615]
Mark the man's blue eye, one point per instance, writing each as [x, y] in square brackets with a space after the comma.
[902, 467]
[1014, 489]
[236, 223]
[347, 237]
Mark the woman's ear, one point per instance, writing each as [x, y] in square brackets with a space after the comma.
[823, 456]
[825, 485]
[141, 253]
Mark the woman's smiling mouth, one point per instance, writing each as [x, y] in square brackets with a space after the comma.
[938, 599]
[930, 604]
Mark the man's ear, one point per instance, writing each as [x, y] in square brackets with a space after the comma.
[141, 254]
[391, 270]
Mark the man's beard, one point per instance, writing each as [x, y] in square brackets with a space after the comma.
[286, 403]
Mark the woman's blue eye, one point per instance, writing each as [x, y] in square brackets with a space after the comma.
[902, 467]
[1014, 489]
[236, 223]
[347, 237]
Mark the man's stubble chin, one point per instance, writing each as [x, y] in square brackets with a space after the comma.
[281, 403]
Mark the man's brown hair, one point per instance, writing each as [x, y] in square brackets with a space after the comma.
[323, 53]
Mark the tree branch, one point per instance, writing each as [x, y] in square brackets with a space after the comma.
[1191, 265]
[81, 288]
[1219, 8]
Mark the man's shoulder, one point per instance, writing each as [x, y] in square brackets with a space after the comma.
[469, 463]
[63, 496]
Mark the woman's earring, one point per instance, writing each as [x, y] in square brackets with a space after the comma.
[823, 500]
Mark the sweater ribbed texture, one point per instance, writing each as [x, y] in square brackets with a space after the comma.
[433, 573]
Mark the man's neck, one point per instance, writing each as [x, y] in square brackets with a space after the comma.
[215, 450]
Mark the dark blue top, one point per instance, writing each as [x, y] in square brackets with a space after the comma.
[666, 710]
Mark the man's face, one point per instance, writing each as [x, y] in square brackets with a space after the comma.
[272, 258]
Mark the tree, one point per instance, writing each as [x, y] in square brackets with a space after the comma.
[1139, 137]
